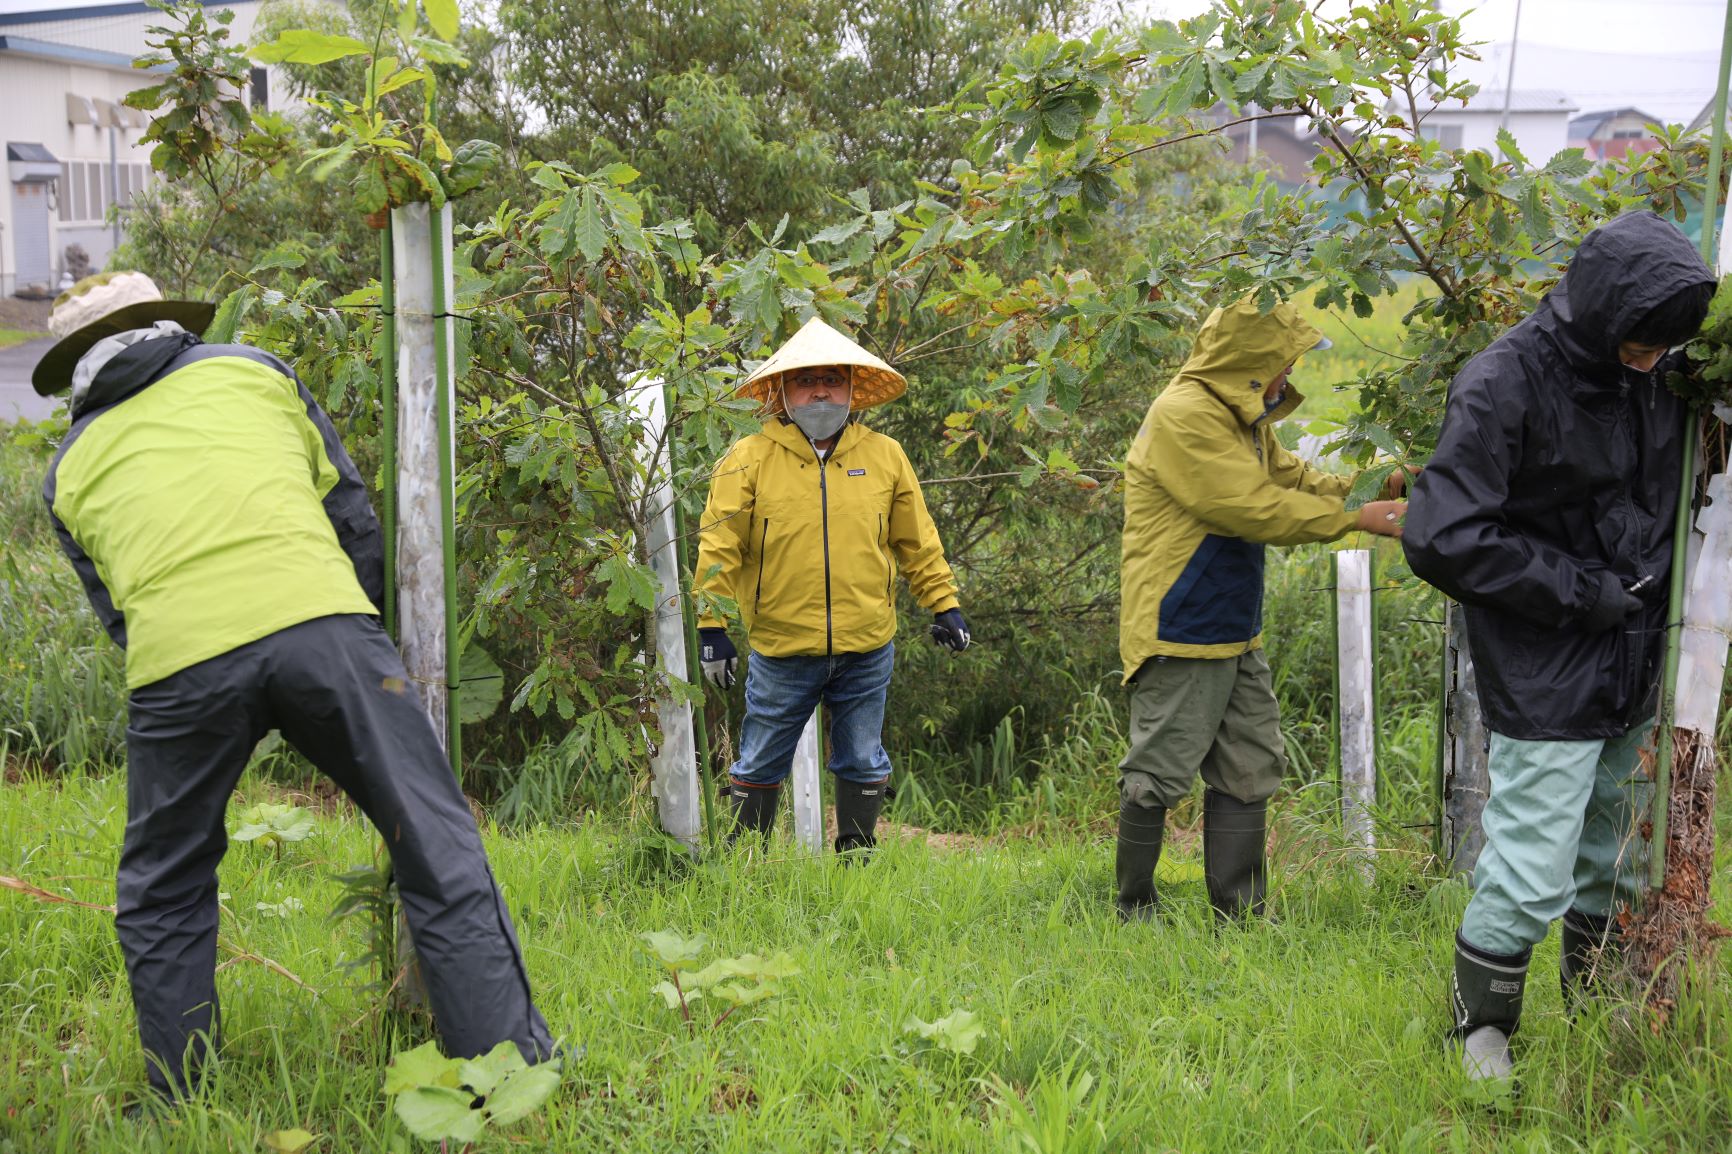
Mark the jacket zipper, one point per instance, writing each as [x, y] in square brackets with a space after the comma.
[763, 539]
[889, 570]
[1632, 651]
[824, 507]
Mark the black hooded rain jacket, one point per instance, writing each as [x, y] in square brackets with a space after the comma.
[1554, 487]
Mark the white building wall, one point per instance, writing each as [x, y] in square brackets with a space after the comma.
[33, 94]
[1540, 135]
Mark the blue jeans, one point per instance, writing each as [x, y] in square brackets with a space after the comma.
[781, 693]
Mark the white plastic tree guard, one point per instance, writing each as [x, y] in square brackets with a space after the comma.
[808, 791]
[1707, 612]
[1355, 707]
[1464, 752]
[421, 608]
[675, 762]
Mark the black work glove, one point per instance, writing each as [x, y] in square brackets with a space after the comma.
[719, 657]
[950, 630]
[1614, 606]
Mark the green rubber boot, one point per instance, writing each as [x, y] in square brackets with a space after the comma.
[1587, 940]
[1486, 1002]
[858, 805]
[1139, 850]
[1235, 839]
[754, 809]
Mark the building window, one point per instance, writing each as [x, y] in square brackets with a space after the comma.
[1448, 135]
[261, 90]
[87, 190]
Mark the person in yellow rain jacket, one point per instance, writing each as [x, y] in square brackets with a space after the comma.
[807, 526]
[1207, 486]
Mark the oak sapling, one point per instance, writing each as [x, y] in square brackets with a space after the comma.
[735, 982]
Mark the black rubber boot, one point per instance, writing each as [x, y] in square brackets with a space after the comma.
[1139, 850]
[857, 808]
[754, 808]
[1486, 1002]
[1235, 836]
[1587, 939]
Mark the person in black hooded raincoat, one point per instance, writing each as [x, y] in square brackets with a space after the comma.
[1548, 512]
[226, 542]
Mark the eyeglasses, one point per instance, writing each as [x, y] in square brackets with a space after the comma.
[817, 375]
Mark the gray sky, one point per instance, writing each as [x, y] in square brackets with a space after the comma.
[1656, 55]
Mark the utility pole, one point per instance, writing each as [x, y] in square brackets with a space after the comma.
[1509, 77]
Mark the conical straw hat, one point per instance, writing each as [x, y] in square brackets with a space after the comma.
[818, 344]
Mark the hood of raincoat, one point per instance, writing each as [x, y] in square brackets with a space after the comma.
[1241, 348]
[1621, 272]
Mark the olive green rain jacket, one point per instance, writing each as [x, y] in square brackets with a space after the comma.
[810, 550]
[1207, 486]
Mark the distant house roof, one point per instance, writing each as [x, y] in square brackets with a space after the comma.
[93, 11]
[1491, 100]
[1584, 126]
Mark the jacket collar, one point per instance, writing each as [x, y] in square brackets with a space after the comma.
[788, 435]
[131, 370]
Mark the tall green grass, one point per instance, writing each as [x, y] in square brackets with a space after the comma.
[1321, 1032]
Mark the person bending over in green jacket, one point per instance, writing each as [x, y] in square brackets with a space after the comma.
[226, 543]
[1207, 486]
[807, 526]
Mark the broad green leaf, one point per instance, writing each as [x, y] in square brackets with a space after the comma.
[959, 1031]
[837, 233]
[439, 52]
[282, 256]
[406, 20]
[440, 1114]
[676, 951]
[471, 161]
[304, 46]
[288, 1141]
[522, 1093]
[422, 1066]
[618, 173]
[481, 684]
[591, 233]
[442, 17]
[221, 330]
[1368, 486]
[671, 994]
[400, 79]
[738, 994]
[484, 1073]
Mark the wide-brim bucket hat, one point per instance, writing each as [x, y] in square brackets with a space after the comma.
[100, 306]
[816, 345]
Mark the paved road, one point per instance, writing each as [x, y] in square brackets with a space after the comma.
[17, 398]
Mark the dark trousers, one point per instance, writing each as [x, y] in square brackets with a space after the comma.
[336, 689]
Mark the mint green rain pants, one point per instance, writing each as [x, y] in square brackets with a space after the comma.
[1560, 833]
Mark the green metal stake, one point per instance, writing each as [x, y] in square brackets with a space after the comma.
[447, 488]
[388, 417]
[1686, 500]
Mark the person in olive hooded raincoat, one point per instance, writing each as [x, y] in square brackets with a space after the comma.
[227, 544]
[807, 526]
[1207, 486]
[1547, 511]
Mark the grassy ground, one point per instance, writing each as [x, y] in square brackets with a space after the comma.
[1360, 344]
[1320, 1032]
[10, 337]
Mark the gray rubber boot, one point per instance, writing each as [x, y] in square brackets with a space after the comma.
[1486, 1001]
[1139, 850]
[857, 807]
[1235, 836]
[754, 809]
[1587, 939]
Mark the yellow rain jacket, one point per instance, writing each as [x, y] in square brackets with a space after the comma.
[810, 551]
[1207, 486]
